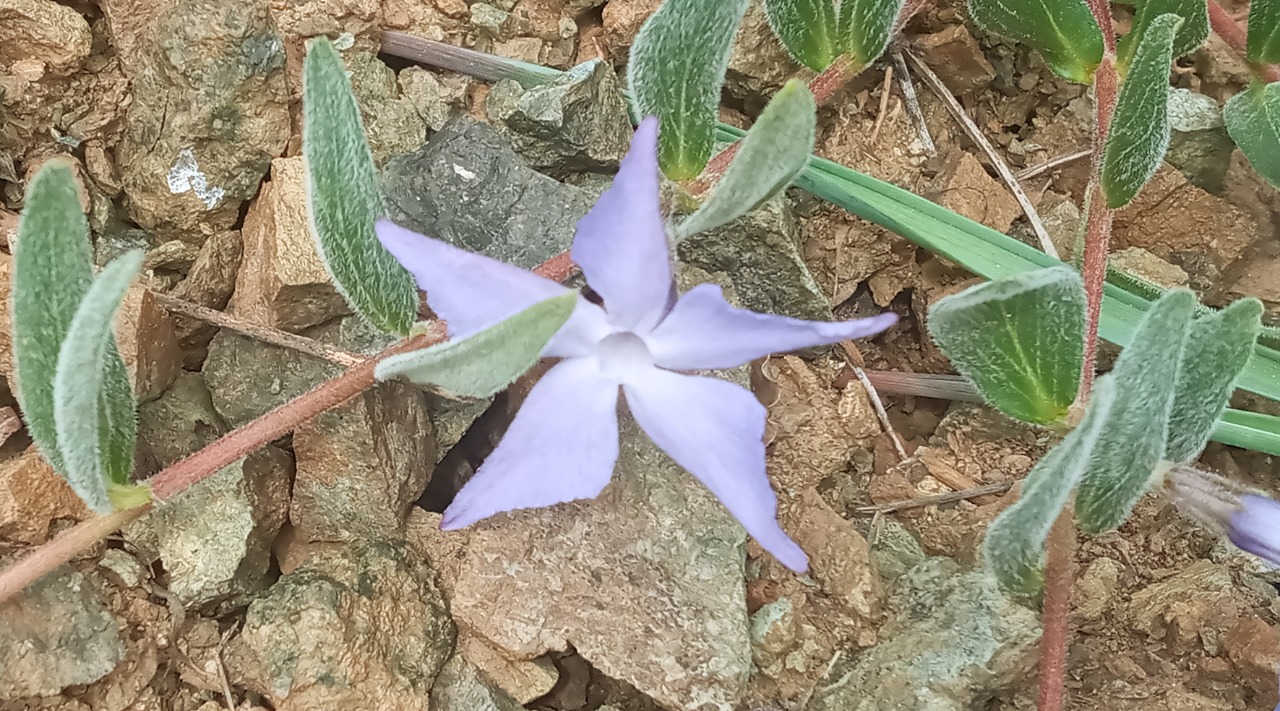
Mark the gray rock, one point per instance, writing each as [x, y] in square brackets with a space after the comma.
[110, 245]
[760, 253]
[392, 122]
[247, 377]
[179, 422]
[577, 123]
[460, 687]
[57, 634]
[896, 550]
[213, 110]
[436, 97]
[214, 541]
[361, 465]
[468, 187]
[360, 627]
[1199, 145]
[957, 642]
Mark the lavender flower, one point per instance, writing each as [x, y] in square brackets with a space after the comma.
[1250, 521]
[563, 443]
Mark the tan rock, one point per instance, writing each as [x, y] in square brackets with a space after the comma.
[361, 465]
[148, 342]
[1145, 265]
[6, 326]
[300, 21]
[282, 281]
[210, 283]
[46, 35]
[965, 187]
[130, 23]
[1176, 220]
[656, 546]
[1253, 646]
[759, 65]
[622, 20]
[425, 19]
[955, 49]
[523, 679]
[32, 496]
[1177, 608]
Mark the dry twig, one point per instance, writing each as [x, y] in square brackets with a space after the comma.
[913, 103]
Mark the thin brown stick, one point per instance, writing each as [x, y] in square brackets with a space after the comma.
[885, 92]
[1059, 571]
[997, 161]
[1226, 27]
[936, 499]
[912, 102]
[942, 387]
[1033, 171]
[63, 548]
[853, 357]
[275, 337]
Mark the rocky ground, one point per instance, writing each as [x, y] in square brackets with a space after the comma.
[304, 577]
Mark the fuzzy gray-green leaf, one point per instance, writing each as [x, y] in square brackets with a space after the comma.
[866, 26]
[1062, 31]
[1193, 32]
[771, 154]
[1020, 340]
[1263, 43]
[1140, 126]
[93, 403]
[1218, 347]
[52, 269]
[1014, 546]
[342, 196]
[1253, 120]
[676, 72]
[807, 28]
[484, 363]
[1132, 445]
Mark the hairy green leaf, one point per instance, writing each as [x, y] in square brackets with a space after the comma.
[342, 196]
[768, 159]
[1193, 32]
[1062, 31]
[866, 26]
[807, 28]
[1014, 546]
[93, 404]
[1218, 346]
[52, 270]
[1020, 340]
[1253, 120]
[1131, 446]
[484, 363]
[1263, 42]
[1140, 126]
[676, 71]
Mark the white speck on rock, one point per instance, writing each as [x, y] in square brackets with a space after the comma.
[185, 176]
[463, 172]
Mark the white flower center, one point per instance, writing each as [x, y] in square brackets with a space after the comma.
[623, 353]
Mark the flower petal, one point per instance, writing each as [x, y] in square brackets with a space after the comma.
[621, 244]
[561, 446]
[703, 332]
[715, 430]
[1255, 528]
[472, 292]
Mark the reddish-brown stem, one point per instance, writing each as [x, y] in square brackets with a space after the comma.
[1234, 35]
[275, 424]
[1098, 217]
[1059, 572]
[1101, 10]
[228, 449]
[62, 548]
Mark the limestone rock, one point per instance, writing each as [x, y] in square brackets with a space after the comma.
[361, 465]
[33, 496]
[468, 187]
[6, 326]
[965, 188]
[209, 283]
[148, 343]
[622, 20]
[437, 98]
[956, 643]
[956, 49]
[392, 123]
[1178, 608]
[1199, 145]
[759, 65]
[282, 281]
[460, 687]
[577, 123]
[57, 634]
[179, 422]
[214, 540]
[358, 627]
[1141, 263]
[214, 114]
[656, 545]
